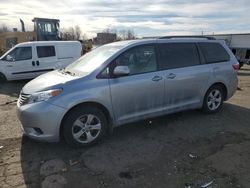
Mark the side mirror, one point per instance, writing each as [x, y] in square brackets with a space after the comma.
[121, 71]
[9, 58]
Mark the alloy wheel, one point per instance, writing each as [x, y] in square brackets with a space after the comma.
[214, 99]
[86, 128]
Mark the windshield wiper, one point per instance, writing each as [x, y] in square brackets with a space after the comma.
[64, 71]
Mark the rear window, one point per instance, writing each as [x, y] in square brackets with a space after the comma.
[45, 51]
[177, 55]
[214, 52]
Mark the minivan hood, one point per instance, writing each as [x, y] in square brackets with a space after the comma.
[50, 80]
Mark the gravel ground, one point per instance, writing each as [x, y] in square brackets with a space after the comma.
[188, 149]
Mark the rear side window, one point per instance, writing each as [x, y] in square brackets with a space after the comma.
[45, 51]
[177, 55]
[214, 52]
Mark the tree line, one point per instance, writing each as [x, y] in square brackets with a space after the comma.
[75, 33]
[4, 28]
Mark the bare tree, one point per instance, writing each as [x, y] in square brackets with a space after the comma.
[126, 34]
[72, 33]
[4, 28]
[130, 34]
[109, 30]
[121, 35]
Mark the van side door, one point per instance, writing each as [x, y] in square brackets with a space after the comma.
[45, 58]
[138, 95]
[20, 63]
[185, 76]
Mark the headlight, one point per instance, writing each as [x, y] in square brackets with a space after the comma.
[44, 95]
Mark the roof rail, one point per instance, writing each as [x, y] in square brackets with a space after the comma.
[188, 36]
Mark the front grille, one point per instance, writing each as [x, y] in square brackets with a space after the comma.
[23, 99]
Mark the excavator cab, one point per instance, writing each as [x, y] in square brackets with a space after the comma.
[46, 29]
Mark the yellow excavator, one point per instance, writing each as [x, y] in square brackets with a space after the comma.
[45, 29]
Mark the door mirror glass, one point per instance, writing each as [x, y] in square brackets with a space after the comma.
[121, 71]
[9, 58]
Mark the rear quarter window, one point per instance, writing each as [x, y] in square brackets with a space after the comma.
[214, 52]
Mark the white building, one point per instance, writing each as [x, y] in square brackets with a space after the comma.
[239, 44]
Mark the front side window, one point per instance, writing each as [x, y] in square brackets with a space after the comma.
[214, 52]
[45, 51]
[20, 53]
[178, 55]
[139, 60]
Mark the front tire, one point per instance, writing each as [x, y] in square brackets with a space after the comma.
[2, 78]
[213, 99]
[84, 126]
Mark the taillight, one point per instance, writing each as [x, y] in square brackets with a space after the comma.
[236, 66]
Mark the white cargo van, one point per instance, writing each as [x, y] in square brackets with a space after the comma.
[31, 59]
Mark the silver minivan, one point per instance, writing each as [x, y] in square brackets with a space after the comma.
[124, 82]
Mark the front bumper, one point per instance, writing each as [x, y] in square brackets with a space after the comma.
[41, 121]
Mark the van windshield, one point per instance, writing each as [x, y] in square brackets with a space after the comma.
[93, 59]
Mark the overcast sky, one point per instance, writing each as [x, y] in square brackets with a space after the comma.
[144, 17]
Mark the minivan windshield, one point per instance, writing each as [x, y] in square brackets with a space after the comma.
[93, 59]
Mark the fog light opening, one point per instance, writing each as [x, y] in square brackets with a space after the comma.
[38, 130]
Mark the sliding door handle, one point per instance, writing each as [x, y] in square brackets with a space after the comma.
[156, 78]
[171, 76]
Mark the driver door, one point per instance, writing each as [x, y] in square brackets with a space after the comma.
[140, 94]
[20, 63]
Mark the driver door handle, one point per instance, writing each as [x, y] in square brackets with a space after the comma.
[156, 78]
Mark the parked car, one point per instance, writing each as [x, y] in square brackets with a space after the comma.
[242, 55]
[31, 59]
[124, 82]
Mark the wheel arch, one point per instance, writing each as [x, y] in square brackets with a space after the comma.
[92, 104]
[3, 77]
[223, 86]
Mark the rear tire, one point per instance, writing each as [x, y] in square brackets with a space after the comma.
[84, 126]
[213, 99]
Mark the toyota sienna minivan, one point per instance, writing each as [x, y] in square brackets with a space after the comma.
[124, 82]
